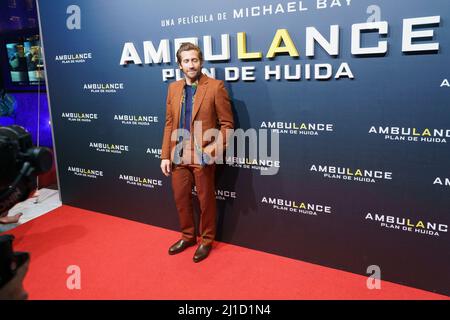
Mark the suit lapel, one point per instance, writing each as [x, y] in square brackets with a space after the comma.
[177, 95]
[199, 95]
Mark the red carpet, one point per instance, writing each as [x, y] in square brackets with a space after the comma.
[121, 259]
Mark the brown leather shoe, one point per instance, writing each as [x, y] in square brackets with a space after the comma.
[202, 252]
[180, 245]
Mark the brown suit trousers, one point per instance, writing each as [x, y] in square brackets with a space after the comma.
[183, 179]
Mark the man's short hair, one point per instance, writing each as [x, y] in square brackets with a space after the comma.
[188, 46]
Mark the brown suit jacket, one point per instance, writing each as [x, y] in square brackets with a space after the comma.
[211, 106]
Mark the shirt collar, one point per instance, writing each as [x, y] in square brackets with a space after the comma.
[195, 84]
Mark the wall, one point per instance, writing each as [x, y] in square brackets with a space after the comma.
[362, 174]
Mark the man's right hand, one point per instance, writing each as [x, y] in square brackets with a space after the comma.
[166, 167]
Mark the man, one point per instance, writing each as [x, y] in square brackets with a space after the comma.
[195, 105]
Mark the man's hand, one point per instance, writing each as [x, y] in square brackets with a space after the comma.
[166, 167]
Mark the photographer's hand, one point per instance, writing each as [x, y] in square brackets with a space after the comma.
[10, 219]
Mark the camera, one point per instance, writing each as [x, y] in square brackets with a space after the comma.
[20, 163]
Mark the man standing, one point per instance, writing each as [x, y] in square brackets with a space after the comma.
[195, 105]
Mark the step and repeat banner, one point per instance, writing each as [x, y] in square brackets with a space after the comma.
[357, 93]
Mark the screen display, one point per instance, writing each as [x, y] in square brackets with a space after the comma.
[17, 63]
[35, 62]
[26, 66]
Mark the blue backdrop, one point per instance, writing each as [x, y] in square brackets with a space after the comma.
[363, 173]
